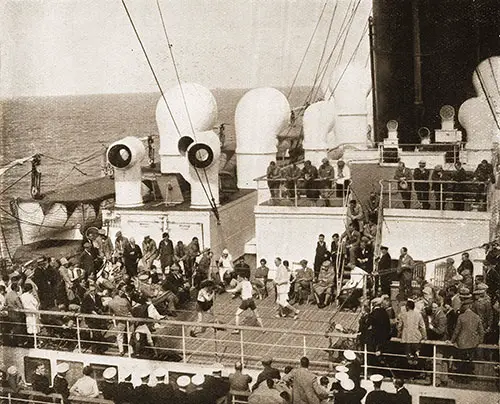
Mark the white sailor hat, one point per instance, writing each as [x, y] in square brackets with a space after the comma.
[347, 384]
[160, 372]
[62, 367]
[183, 381]
[143, 373]
[349, 355]
[109, 373]
[341, 368]
[376, 378]
[198, 379]
[341, 376]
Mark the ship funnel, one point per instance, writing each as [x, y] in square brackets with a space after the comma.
[261, 115]
[125, 156]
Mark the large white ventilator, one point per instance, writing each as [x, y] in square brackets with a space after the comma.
[174, 121]
[125, 156]
[188, 145]
[318, 121]
[480, 116]
[261, 114]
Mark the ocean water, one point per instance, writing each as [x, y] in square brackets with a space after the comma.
[66, 129]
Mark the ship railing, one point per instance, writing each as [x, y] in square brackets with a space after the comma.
[439, 360]
[436, 195]
[301, 192]
[9, 396]
[391, 153]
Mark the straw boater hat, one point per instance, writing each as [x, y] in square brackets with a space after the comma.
[109, 373]
[341, 368]
[376, 378]
[377, 301]
[464, 293]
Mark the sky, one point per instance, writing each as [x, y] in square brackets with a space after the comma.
[70, 47]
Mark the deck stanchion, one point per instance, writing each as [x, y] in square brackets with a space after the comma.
[365, 354]
[129, 338]
[434, 365]
[35, 339]
[304, 346]
[390, 195]
[9, 398]
[184, 357]
[78, 336]
[242, 354]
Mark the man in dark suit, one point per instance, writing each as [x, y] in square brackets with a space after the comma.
[110, 387]
[88, 259]
[468, 334]
[166, 251]
[60, 383]
[92, 304]
[384, 264]
[268, 373]
[132, 253]
[322, 254]
[402, 394]
[162, 391]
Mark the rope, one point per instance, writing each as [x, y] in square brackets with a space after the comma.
[15, 182]
[175, 66]
[307, 50]
[150, 66]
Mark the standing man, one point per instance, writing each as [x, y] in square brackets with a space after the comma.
[422, 186]
[326, 174]
[282, 281]
[384, 264]
[403, 177]
[110, 387]
[459, 189]
[131, 255]
[343, 178]
[291, 174]
[380, 324]
[411, 329]
[60, 384]
[405, 273]
[402, 394]
[321, 255]
[310, 174]
[273, 179]
[166, 251]
[377, 396]
[247, 302]
[149, 251]
[305, 385]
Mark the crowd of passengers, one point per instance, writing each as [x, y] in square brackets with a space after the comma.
[439, 186]
[293, 385]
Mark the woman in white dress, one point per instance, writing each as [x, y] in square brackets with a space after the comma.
[30, 302]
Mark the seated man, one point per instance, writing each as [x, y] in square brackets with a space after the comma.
[323, 288]
[352, 291]
[303, 280]
[260, 279]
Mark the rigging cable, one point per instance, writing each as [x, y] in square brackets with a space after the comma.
[490, 104]
[211, 199]
[15, 182]
[344, 30]
[307, 50]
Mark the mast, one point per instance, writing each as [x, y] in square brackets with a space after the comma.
[417, 64]
[374, 81]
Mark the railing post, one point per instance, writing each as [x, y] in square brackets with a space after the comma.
[304, 345]
[9, 398]
[78, 336]
[365, 354]
[296, 193]
[184, 357]
[35, 339]
[390, 195]
[434, 365]
[129, 338]
[242, 354]
[441, 201]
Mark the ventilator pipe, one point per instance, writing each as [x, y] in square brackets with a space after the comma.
[202, 116]
[317, 123]
[475, 114]
[202, 159]
[125, 156]
[261, 114]
[350, 90]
